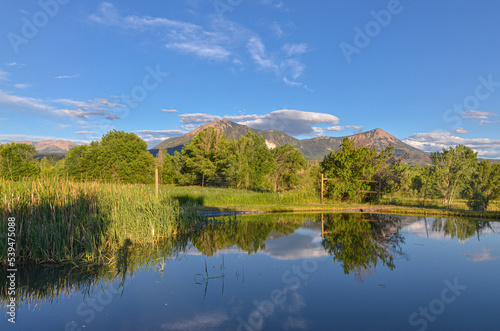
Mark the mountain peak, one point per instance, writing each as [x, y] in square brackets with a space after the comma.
[313, 149]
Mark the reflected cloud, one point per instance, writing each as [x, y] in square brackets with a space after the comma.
[302, 244]
[200, 322]
[294, 323]
[294, 303]
[485, 255]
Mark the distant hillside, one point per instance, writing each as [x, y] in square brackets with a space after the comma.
[313, 149]
[50, 146]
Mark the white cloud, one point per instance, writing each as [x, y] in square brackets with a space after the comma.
[85, 132]
[3, 75]
[222, 41]
[159, 134]
[106, 103]
[277, 30]
[293, 122]
[477, 114]
[197, 118]
[460, 130]
[240, 118]
[67, 76]
[258, 52]
[181, 36]
[489, 122]
[201, 49]
[23, 103]
[154, 137]
[97, 108]
[437, 140]
[13, 64]
[22, 86]
[170, 110]
[295, 49]
[340, 128]
[285, 65]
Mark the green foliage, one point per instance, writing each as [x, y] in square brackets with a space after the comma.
[483, 186]
[350, 168]
[17, 162]
[453, 168]
[118, 157]
[250, 161]
[205, 158]
[288, 162]
[60, 220]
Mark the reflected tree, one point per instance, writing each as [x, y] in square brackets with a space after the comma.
[359, 244]
[248, 235]
[460, 228]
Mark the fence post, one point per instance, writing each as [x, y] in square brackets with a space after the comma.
[156, 182]
[321, 188]
[379, 190]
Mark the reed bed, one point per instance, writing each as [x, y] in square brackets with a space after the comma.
[61, 220]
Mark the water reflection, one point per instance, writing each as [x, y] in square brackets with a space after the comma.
[359, 243]
[450, 227]
[460, 228]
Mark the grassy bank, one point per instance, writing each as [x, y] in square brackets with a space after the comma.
[67, 221]
[297, 201]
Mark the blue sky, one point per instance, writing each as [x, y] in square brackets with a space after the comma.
[427, 72]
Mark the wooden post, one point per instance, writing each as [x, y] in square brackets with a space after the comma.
[321, 188]
[322, 226]
[156, 182]
[379, 190]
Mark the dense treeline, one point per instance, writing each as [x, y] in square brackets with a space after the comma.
[355, 173]
[244, 163]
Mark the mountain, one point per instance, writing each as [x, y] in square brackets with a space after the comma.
[317, 148]
[313, 149]
[50, 146]
[231, 130]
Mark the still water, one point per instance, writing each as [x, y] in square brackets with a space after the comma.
[282, 272]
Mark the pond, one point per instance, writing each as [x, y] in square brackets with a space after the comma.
[281, 272]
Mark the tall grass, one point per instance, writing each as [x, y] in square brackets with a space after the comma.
[59, 220]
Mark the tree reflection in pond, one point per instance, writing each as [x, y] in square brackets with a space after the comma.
[358, 243]
[248, 234]
[460, 228]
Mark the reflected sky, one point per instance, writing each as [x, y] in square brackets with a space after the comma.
[291, 282]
